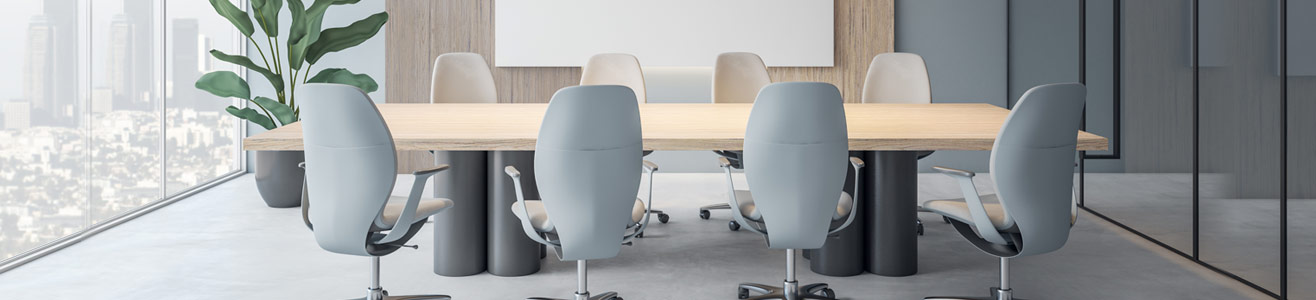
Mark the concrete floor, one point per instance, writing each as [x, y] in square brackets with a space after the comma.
[225, 244]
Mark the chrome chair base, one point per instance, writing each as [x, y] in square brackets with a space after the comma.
[997, 294]
[811, 291]
[602, 296]
[384, 296]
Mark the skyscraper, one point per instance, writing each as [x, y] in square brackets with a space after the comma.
[38, 84]
[140, 14]
[119, 65]
[61, 17]
[187, 67]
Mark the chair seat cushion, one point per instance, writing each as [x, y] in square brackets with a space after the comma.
[959, 210]
[539, 216]
[747, 208]
[393, 210]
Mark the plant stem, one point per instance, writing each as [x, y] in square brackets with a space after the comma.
[278, 70]
[262, 53]
[267, 112]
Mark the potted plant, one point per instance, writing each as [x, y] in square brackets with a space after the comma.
[284, 66]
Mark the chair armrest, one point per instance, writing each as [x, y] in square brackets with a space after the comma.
[858, 165]
[731, 198]
[723, 162]
[530, 232]
[431, 171]
[954, 172]
[649, 167]
[981, 222]
[306, 200]
[408, 215]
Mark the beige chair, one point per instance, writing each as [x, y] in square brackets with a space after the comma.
[619, 69]
[899, 78]
[737, 78]
[615, 69]
[462, 78]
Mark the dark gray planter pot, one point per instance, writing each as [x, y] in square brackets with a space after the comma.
[278, 178]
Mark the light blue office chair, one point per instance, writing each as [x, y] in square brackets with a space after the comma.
[351, 166]
[587, 164]
[795, 158]
[1032, 168]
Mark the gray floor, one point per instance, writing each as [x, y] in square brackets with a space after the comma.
[225, 244]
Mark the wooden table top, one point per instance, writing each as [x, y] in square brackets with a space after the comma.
[679, 126]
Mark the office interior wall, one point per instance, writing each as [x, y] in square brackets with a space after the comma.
[422, 29]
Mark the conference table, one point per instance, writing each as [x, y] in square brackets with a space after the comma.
[481, 234]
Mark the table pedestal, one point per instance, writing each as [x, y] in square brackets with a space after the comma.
[459, 232]
[510, 252]
[891, 189]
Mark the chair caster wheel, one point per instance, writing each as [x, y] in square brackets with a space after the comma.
[742, 293]
[919, 227]
[639, 235]
[733, 226]
[663, 218]
[828, 292]
[704, 214]
[945, 219]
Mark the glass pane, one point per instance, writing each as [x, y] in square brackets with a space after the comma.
[43, 145]
[125, 106]
[1239, 163]
[1302, 150]
[1150, 187]
[202, 138]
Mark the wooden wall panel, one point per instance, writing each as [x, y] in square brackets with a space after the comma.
[420, 30]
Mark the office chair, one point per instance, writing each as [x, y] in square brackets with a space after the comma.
[899, 77]
[619, 69]
[351, 166]
[795, 158]
[737, 78]
[587, 163]
[1032, 168]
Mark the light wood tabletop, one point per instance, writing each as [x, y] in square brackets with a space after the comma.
[683, 126]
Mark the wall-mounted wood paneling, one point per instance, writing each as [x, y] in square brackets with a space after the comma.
[420, 30]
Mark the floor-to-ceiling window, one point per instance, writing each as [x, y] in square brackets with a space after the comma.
[100, 116]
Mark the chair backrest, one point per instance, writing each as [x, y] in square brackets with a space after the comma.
[587, 165]
[795, 160]
[615, 69]
[1032, 164]
[738, 77]
[462, 78]
[351, 165]
[897, 78]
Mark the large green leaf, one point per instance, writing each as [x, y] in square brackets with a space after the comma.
[296, 31]
[305, 29]
[279, 110]
[234, 15]
[337, 39]
[343, 76]
[267, 15]
[224, 84]
[251, 115]
[275, 79]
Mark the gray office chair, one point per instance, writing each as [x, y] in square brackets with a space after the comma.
[351, 166]
[899, 77]
[587, 164]
[795, 157]
[1032, 168]
[737, 78]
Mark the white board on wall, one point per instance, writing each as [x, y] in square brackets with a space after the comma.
[565, 33]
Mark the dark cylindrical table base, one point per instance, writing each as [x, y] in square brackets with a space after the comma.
[891, 189]
[510, 252]
[842, 254]
[459, 232]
